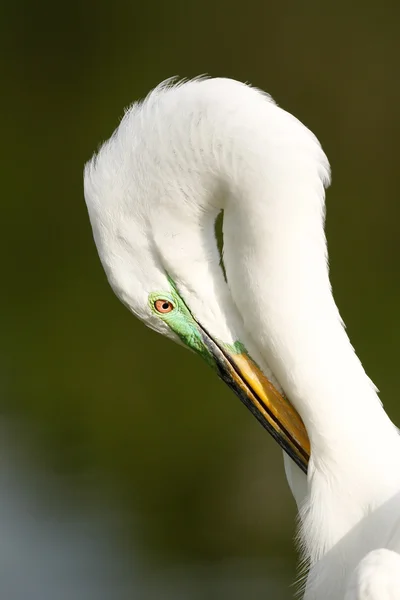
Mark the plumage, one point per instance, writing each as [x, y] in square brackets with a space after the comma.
[153, 193]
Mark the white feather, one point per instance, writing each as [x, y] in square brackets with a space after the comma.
[153, 193]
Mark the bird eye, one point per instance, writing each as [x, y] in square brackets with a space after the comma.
[163, 306]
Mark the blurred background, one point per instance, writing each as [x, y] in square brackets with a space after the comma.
[112, 484]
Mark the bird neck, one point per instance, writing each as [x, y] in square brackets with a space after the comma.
[276, 262]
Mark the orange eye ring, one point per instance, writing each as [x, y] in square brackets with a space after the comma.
[163, 306]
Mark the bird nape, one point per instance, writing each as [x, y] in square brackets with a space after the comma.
[269, 325]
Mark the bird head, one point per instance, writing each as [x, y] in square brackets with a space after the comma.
[153, 192]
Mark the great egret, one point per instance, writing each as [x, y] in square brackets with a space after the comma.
[271, 328]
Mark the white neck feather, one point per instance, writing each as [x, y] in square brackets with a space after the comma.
[276, 263]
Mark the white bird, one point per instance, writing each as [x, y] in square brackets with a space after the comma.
[271, 325]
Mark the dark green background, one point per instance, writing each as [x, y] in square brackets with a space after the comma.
[196, 483]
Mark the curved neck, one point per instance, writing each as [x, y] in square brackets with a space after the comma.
[276, 262]
[231, 147]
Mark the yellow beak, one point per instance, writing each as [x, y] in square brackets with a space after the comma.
[271, 409]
